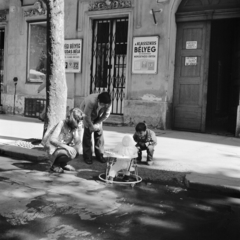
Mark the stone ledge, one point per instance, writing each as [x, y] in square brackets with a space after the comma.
[22, 153]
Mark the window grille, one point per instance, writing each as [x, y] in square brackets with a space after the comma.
[109, 55]
[34, 107]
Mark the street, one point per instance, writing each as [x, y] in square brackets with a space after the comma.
[38, 205]
[119, 89]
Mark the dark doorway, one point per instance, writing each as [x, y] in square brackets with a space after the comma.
[109, 59]
[222, 97]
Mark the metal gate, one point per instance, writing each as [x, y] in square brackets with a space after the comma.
[108, 64]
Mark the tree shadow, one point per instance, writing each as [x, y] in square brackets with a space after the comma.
[36, 166]
[147, 211]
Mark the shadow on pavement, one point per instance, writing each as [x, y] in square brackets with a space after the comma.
[40, 166]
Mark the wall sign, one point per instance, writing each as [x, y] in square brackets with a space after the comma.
[145, 55]
[190, 61]
[73, 55]
[191, 45]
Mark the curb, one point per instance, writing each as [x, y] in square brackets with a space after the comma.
[148, 174]
[22, 153]
[213, 188]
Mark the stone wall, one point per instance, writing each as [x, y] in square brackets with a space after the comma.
[147, 96]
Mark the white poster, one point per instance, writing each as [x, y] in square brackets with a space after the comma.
[73, 55]
[191, 45]
[190, 61]
[145, 55]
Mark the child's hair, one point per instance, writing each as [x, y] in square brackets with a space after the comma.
[104, 97]
[141, 127]
[74, 117]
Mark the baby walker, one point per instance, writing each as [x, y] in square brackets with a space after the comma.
[122, 164]
[121, 171]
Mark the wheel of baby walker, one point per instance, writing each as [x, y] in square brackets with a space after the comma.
[138, 179]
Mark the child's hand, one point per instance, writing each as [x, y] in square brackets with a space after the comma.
[71, 151]
[150, 147]
[149, 143]
[138, 147]
[142, 144]
[96, 127]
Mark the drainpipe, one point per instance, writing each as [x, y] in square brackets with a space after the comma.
[15, 79]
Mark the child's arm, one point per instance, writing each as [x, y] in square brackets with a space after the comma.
[152, 138]
[77, 142]
[135, 137]
[137, 140]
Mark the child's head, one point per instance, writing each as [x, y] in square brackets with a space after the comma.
[104, 99]
[74, 118]
[141, 129]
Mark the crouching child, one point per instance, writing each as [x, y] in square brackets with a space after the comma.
[63, 142]
[146, 140]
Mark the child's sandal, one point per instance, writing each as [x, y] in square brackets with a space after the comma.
[56, 169]
[68, 168]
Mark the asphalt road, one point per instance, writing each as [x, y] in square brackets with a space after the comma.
[38, 205]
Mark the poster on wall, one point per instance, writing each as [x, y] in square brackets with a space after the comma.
[145, 55]
[190, 61]
[73, 55]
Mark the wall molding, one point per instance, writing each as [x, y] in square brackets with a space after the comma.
[39, 8]
[109, 4]
[201, 5]
[80, 16]
[3, 15]
[138, 13]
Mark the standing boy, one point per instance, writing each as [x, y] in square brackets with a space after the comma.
[97, 108]
[146, 140]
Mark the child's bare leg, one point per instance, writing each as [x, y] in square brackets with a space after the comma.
[60, 159]
[150, 152]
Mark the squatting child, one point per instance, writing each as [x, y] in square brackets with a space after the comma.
[146, 140]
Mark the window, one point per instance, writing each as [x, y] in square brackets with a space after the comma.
[37, 52]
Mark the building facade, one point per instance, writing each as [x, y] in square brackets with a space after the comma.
[171, 63]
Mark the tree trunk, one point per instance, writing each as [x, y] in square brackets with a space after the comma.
[56, 86]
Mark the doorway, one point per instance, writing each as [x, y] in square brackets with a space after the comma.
[109, 59]
[190, 86]
[223, 90]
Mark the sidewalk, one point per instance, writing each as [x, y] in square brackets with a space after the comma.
[200, 161]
